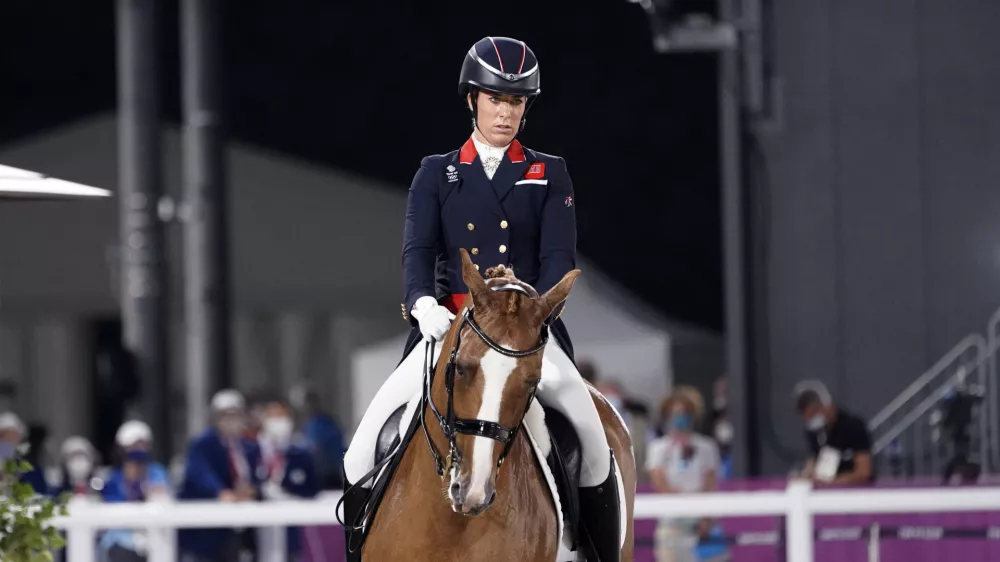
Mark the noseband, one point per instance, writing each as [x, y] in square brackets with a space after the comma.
[451, 425]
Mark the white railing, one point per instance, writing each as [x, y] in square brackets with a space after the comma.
[799, 502]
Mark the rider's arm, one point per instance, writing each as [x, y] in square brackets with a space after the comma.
[557, 247]
[421, 237]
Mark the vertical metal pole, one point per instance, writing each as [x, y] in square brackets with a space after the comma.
[143, 269]
[734, 234]
[206, 262]
[874, 542]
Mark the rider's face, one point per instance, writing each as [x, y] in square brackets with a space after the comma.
[499, 116]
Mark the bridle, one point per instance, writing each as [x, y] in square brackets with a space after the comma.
[452, 425]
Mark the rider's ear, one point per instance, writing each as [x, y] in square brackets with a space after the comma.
[473, 280]
[556, 295]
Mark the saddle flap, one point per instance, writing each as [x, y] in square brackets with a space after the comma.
[388, 436]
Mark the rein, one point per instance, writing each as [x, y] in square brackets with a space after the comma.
[451, 425]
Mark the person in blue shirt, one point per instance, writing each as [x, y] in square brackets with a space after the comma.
[289, 470]
[12, 444]
[135, 478]
[223, 464]
[322, 435]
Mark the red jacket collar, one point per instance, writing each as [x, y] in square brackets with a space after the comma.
[468, 153]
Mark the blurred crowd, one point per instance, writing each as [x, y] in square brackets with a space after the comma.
[686, 448]
[269, 447]
[261, 448]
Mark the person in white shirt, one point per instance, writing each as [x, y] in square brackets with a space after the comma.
[681, 462]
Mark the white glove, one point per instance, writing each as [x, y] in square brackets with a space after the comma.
[434, 319]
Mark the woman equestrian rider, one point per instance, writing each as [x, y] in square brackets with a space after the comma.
[505, 204]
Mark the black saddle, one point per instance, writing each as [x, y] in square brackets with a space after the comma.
[388, 436]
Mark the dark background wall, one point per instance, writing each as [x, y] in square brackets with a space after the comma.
[883, 206]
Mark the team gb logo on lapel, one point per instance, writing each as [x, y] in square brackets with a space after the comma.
[452, 173]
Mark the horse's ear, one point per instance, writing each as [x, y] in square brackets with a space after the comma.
[473, 280]
[556, 295]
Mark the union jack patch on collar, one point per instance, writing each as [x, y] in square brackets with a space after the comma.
[569, 201]
[535, 171]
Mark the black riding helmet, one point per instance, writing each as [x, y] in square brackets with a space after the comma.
[502, 65]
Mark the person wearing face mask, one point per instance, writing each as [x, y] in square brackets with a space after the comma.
[79, 459]
[136, 477]
[289, 468]
[839, 442]
[682, 461]
[221, 463]
[12, 444]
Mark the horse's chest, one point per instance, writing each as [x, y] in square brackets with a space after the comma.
[415, 523]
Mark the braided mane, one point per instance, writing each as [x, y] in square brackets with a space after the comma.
[504, 272]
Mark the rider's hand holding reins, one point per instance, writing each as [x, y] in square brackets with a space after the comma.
[434, 319]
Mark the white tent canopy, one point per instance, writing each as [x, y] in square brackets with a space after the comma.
[15, 182]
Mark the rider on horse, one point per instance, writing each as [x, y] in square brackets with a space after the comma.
[506, 205]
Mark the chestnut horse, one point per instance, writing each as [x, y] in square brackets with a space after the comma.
[423, 514]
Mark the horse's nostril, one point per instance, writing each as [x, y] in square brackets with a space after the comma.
[456, 489]
[493, 498]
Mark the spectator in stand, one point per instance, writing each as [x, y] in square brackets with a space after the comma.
[322, 435]
[289, 466]
[13, 444]
[78, 459]
[722, 427]
[221, 464]
[681, 462]
[840, 447]
[136, 477]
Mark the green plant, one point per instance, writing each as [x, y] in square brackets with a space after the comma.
[25, 532]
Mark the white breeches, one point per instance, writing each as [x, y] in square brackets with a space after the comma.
[561, 387]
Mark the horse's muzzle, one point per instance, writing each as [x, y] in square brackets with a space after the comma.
[467, 502]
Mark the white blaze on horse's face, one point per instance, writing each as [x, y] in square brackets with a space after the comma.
[496, 370]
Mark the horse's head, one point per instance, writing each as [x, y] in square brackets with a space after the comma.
[495, 356]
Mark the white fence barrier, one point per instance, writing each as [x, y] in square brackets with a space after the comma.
[799, 502]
